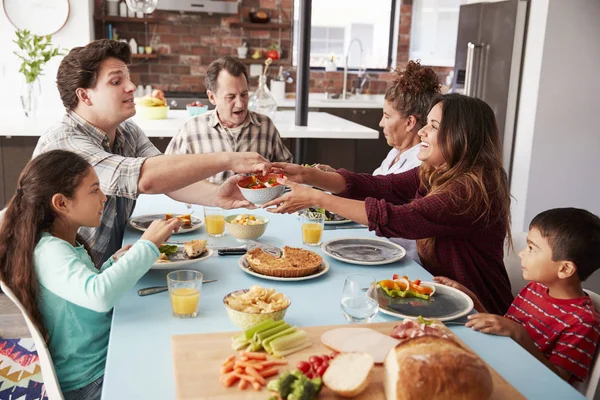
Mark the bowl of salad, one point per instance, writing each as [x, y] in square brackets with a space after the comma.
[261, 189]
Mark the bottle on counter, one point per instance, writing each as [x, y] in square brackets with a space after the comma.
[330, 65]
[139, 92]
[133, 45]
[123, 9]
[262, 100]
[112, 7]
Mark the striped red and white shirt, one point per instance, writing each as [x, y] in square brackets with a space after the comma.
[566, 331]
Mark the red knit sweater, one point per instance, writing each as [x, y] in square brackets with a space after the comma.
[467, 250]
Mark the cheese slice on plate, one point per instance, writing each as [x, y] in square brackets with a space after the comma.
[360, 340]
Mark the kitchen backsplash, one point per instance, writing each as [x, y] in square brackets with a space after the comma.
[188, 42]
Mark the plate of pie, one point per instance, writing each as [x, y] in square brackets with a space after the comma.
[190, 222]
[175, 256]
[330, 218]
[295, 264]
[364, 251]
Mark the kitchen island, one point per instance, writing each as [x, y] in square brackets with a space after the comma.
[19, 135]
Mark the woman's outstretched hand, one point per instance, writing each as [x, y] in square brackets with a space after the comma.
[299, 198]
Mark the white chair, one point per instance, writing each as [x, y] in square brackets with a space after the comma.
[589, 388]
[512, 262]
[51, 385]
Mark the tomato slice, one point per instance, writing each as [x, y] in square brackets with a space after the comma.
[395, 276]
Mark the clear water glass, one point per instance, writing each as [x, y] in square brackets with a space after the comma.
[358, 307]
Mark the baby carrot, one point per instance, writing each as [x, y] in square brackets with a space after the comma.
[252, 372]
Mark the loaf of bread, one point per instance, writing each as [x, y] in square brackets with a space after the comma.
[435, 368]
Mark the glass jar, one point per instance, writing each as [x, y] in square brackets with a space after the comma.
[262, 100]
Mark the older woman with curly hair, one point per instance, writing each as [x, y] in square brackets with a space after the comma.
[456, 204]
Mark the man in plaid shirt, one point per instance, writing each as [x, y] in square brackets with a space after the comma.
[95, 88]
[230, 126]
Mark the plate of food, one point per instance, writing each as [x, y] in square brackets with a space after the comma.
[174, 256]
[413, 299]
[330, 218]
[364, 251]
[295, 264]
[190, 222]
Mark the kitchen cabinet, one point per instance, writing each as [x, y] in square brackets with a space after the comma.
[16, 152]
[353, 154]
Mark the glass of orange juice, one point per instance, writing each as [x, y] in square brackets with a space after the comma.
[312, 227]
[184, 290]
[215, 221]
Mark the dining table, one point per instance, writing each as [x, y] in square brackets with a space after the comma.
[140, 363]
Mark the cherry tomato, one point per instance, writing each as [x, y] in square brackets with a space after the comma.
[303, 366]
[325, 364]
[309, 375]
[321, 370]
[395, 276]
[315, 360]
[325, 357]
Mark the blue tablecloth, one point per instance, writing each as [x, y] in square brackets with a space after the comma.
[140, 365]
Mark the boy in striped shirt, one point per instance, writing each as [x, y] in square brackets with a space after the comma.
[552, 317]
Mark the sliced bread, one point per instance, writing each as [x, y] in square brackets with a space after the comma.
[349, 374]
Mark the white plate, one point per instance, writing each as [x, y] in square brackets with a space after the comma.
[142, 222]
[364, 251]
[244, 267]
[343, 221]
[181, 262]
[447, 304]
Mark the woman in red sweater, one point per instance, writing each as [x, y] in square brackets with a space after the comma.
[456, 204]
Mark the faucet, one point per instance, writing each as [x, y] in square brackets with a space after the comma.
[346, 64]
[361, 79]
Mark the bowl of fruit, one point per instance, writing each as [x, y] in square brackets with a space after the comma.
[196, 108]
[153, 106]
[261, 189]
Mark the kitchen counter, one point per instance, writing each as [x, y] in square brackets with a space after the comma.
[320, 126]
[320, 101]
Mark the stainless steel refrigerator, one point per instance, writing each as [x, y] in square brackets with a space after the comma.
[489, 52]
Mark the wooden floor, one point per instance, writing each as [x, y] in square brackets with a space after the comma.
[12, 324]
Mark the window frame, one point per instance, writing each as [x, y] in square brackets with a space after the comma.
[392, 42]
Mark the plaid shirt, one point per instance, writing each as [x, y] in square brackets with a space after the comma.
[466, 249]
[118, 170]
[205, 134]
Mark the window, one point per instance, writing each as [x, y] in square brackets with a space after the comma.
[434, 30]
[337, 23]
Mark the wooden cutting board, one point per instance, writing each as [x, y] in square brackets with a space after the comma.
[197, 360]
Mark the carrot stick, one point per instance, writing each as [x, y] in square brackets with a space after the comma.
[253, 355]
[252, 372]
[244, 364]
[245, 376]
[239, 370]
[229, 359]
[244, 358]
[243, 384]
[257, 386]
[271, 363]
[269, 372]
[229, 380]
[227, 369]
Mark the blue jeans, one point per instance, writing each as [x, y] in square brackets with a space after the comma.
[92, 391]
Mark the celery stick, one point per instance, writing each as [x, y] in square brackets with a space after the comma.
[303, 345]
[267, 342]
[238, 344]
[288, 341]
[260, 336]
[254, 347]
[258, 327]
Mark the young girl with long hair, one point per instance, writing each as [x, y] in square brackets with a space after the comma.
[48, 267]
[456, 204]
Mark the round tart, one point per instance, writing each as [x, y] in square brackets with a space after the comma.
[294, 263]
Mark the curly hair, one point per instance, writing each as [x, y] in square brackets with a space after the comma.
[413, 91]
[79, 69]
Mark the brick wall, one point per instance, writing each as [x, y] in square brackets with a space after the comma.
[188, 42]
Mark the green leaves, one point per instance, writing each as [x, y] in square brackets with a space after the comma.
[35, 51]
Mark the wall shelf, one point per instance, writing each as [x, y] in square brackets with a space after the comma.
[144, 56]
[252, 25]
[114, 18]
[262, 61]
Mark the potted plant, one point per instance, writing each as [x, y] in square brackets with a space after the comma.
[34, 51]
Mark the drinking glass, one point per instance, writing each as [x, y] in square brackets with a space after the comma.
[185, 287]
[214, 217]
[312, 227]
[357, 306]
